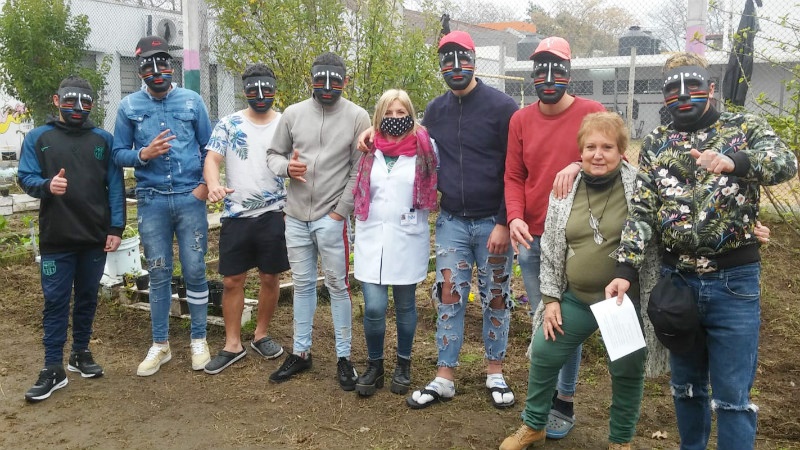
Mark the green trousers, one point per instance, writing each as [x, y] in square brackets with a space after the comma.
[627, 373]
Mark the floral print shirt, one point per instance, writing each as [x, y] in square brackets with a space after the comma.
[699, 215]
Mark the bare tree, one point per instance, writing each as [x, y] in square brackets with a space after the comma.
[669, 22]
[590, 27]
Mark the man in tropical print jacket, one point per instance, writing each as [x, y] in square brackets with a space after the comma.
[699, 183]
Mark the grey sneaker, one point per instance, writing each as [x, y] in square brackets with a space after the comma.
[267, 347]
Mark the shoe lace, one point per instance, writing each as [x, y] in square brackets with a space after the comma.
[153, 353]
[290, 361]
[345, 368]
[522, 433]
[198, 347]
[84, 358]
[44, 375]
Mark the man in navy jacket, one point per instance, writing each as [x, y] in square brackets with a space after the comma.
[469, 124]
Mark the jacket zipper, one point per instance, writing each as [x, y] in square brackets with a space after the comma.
[461, 156]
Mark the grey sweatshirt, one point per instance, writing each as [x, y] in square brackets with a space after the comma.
[326, 138]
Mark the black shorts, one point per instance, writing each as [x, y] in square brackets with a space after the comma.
[250, 242]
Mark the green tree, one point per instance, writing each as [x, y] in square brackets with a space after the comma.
[41, 43]
[381, 51]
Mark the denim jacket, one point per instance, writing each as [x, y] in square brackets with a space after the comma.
[141, 117]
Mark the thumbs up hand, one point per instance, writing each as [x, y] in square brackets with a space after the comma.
[58, 185]
[296, 168]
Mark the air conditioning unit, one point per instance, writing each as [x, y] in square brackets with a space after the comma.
[167, 29]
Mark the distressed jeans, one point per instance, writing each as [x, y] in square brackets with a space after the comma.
[529, 262]
[61, 273]
[376, 301]
[460, 244]
[326, 239]
[162, 217]
[729, 305]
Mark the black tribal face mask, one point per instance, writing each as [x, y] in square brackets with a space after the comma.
[75, 104]
[328, 83]
[550, 78]
[156, 72]
[260, 92]
[458, 68]
[686, 93]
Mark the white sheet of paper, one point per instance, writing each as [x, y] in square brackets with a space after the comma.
[619, 327]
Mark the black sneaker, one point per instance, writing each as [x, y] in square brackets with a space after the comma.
[83, 362]
[291, 366]
[50, 379]
[347, 374]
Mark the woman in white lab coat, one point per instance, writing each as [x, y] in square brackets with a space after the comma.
[395, 190]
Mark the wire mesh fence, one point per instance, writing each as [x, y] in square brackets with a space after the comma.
[618, 51]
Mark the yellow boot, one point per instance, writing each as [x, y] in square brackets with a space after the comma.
[523, 438]
[618, 446]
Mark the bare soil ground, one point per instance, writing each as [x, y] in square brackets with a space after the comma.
[239, 408]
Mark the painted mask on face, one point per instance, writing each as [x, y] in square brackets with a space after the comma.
[550, 78]
[75, 104]
[328, 82]
[686, 92]
[457, 67]
[396, 126]
[260, 92]
[156, 72]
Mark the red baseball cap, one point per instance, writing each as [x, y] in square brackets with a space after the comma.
[554, 45]
[150, 45]
[460, 38]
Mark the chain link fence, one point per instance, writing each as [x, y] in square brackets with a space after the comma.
[618, 51]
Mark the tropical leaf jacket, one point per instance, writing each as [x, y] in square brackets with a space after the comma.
[699, 215]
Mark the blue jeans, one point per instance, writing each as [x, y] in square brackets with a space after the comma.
[529, 262]
[60, 274]
[327, 239]
[460, 244]
[162, 216]
[730, 308]
[376, 300]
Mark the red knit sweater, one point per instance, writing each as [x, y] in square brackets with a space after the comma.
[539, 146]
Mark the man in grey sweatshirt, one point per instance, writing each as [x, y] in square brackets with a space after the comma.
[315, 146]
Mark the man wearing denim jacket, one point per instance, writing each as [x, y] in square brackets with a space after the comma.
[162, 132]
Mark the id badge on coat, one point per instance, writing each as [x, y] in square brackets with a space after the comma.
[409, 218]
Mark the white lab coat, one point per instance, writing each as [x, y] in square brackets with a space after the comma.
[387, 251]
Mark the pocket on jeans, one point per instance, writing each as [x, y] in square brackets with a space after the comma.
[745, 286]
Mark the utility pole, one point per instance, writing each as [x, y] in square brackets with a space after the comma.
[192, 37]
[696, 18]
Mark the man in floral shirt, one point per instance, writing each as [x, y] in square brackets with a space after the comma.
[252, 232]
[699, 182]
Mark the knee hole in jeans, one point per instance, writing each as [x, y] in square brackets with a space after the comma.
[716, 404]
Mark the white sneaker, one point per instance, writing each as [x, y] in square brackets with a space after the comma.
[156, 356]
[200, 354]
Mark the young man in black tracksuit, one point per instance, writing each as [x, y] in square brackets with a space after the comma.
[67, 164]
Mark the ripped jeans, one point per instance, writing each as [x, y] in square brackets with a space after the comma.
[729, 304]
[327, 239]
[162, 216]
[460, 244]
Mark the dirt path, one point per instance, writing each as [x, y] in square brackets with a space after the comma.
[181, 409]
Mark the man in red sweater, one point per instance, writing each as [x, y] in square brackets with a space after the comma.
[543, 155]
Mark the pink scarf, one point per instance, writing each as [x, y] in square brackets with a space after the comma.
[418, 144]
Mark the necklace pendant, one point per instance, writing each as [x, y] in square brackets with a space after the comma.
[594, 224]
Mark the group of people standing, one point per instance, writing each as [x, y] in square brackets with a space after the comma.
[548, 183]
